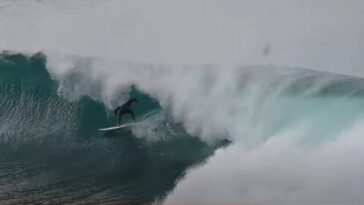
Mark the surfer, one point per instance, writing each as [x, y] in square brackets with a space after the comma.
[125, 109]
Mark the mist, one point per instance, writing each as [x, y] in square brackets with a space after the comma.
[321, 35]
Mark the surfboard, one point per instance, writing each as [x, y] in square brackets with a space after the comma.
[138, 120]
[117, 127]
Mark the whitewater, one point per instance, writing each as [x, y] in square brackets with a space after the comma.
[241, 102]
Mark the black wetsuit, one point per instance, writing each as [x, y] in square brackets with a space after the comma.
[125, 109]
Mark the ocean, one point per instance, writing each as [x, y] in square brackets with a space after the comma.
[233, 107]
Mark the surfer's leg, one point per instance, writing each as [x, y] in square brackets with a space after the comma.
[130, 112]
[121, 113]
[119, 118]
[132, 115]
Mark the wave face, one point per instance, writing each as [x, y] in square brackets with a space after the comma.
[51, 151]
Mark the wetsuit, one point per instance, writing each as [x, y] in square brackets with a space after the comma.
[125, 109]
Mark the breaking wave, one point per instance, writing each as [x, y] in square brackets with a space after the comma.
[51, 107]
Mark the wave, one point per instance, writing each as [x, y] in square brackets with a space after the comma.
[51, 107]
[217, 103]
[283, 123]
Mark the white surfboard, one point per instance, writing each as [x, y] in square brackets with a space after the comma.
[117, 127]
